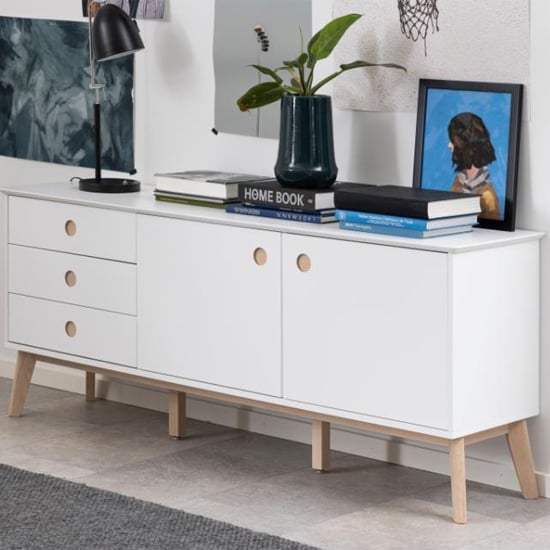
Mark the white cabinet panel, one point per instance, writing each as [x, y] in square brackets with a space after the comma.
[495, 336]
[79, 280]
[72, 228]
[365, 329]
[206, 310]
[72, 329]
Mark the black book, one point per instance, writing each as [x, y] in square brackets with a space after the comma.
[413, 202]
[272, 194]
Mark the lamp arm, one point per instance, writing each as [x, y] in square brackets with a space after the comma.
[96, 87]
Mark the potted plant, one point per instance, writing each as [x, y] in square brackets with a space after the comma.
[306, 148]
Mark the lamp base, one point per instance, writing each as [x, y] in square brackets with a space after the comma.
[109, 185]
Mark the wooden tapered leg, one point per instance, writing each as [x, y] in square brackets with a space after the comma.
[320, 445]
[458, 479]
[520, 449]
[90, 386]
[24, 367]
[177, 418]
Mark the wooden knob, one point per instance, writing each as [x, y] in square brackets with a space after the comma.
[303, 262]
[70, 329]
[260, 256]
[70, 278]
[70, 228]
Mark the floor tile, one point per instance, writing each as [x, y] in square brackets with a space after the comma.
[534, 535]
[36, 394]
[229, 460]
[99, 412]
[403, 523]
[305, 496]
[34, 429]
[494, 502]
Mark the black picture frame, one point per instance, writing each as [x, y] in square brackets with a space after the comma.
[459, 122]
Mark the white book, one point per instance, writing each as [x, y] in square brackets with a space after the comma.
[204, 183]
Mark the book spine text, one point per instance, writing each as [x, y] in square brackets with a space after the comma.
[380, 219]
[273, 213]
[276, 198]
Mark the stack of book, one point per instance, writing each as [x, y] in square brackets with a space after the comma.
[271, 200]
[210, 188]
[405, 211]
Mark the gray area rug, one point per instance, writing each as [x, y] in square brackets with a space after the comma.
[40, 512]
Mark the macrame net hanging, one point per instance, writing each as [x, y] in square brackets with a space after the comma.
[416, 17]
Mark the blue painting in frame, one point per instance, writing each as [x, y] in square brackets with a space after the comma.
[46, 107]
[467, 141]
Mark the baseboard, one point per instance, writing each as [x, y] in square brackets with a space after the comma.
[479, 468]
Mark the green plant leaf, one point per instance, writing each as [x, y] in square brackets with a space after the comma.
[269, 72]
[298, 62]
[357, 64]
[260, 95]
[323, 42]
[292, 90]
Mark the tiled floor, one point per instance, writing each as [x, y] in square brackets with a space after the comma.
[260, 482]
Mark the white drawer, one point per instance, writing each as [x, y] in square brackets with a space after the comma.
[72, 228]
[100, 335]
[79, 280]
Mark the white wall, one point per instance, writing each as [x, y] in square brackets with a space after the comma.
[174, 117]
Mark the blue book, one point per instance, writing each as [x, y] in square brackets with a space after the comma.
[404, 232]
[403, 221]
[309, 217]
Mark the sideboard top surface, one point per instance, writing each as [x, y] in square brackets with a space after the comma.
[144, 203]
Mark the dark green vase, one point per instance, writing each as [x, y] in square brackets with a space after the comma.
[306, 143]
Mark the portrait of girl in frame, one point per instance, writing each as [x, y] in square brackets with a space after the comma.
[467, 141]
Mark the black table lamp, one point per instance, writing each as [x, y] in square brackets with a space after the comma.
[112, 34]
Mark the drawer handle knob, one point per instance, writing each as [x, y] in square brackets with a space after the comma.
[260, 256]
[70, 278]
[70, 329]
[303, 262]
[70, 228]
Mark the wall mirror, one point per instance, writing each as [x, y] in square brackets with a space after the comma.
[236, 47]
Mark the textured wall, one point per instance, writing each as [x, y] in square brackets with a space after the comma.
[477, 41]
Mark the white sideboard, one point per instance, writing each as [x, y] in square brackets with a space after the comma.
[434, 339]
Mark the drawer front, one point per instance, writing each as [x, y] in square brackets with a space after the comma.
[71, 228]
[79, 280]
[75, 330]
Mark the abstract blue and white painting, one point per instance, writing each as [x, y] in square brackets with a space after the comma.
[46, 106]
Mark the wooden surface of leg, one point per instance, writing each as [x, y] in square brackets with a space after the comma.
[90, 386]
[176, 413]
[320, 445]
[458, 479]
[520, 449]
[24, 367]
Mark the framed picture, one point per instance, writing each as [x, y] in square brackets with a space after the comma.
[467, 141]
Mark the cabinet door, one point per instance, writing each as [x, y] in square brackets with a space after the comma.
[365, 329]
[209, 303]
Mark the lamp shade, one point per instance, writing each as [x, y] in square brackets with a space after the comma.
[115, 33]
